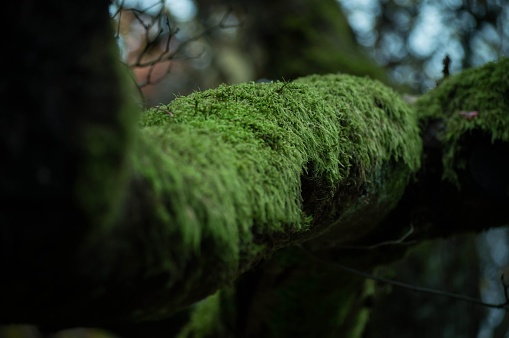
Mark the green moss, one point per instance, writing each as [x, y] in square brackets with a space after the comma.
[227, 163]
[383, 149]
[484, 90]
[378, 125]
[207, 318]
[196, 195]
[229, 175]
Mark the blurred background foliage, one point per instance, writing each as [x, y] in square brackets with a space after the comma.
[400, 42]
[198, 44]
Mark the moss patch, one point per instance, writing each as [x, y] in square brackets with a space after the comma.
[207, 319]
[227, 163]
[483, 90]
[219, 175]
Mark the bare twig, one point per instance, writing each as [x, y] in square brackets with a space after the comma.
[505, 286]
[446, 62]
[475, 301]
[400, 241]
[285, 83]
[161, 23]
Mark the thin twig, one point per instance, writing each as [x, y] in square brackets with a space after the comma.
[504, 305]
[505, 286]
[399, 241]
[142, 59]
[285, 83]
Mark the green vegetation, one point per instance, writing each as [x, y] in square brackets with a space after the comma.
[483, 90]
[226, 168]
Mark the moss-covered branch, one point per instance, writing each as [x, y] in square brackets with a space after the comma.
[220, 180]
[292, 295]
[223, 178]
[463, 183]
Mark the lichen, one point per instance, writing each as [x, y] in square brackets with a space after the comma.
[483, 90]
